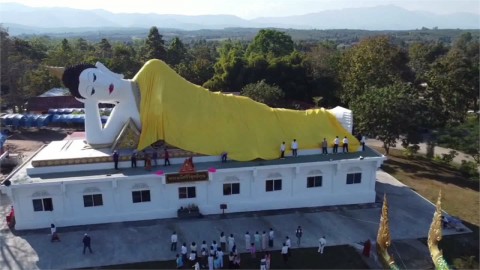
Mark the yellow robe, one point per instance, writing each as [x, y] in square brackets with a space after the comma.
[192, 118]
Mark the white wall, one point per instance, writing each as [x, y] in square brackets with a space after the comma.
[117, 193]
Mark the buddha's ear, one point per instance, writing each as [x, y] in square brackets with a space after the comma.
[104, 69]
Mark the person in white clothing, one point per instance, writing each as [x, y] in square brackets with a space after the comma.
[362, 142]
[53, 231]
[288, 242]
[321, 244]
[345, 145]
[335, 145]
[285, 252]
[247, 241]
[294, 148]
[282, 150]
[271, 235]
[231, 242]
[174, 240]
[183, 250]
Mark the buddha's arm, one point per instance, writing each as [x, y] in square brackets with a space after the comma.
[95, 133]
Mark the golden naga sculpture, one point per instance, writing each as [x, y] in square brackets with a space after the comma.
[435, 235]
[383, 238]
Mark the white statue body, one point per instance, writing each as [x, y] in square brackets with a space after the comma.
[100, 85]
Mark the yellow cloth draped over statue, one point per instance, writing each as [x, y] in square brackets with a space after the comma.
[192, 118]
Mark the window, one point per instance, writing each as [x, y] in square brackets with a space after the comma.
[44, 204]
[186, 192]
[231, 188]
[354, 178]
[273, 185]
[92, 200]
[314, 181]
[140, 196]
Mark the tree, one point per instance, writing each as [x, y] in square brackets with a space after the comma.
[176, 52]
[154, 46]
[454, 79]
[374, 63]
[322, 62]
[229, 69]
[123, 60]
[270, 42]
[387, 112]
[262, 92]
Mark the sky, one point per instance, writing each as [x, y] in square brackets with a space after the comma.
[249, 9]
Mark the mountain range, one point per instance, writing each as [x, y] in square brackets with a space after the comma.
[22, 19]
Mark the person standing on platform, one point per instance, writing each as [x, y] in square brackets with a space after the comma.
[336, 141]
[345, 145]
[362, 142]
[231, 242]
[271, 236]
[224, 157]
[247, 241]
[179, 261]
[285, 252]
[173, 240]
[324, 146]
[294, 148]
[264, 240]
[321, 244]
[282, 150]
[288, 242]
[183, 250]
[133, 158]
[116, 158]
[87, 243]
[223, 241]
[299, 234]
[257, 239]
[53, 231]
[166, 156]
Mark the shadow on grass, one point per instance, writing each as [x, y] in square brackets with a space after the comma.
[459, 249]
[334, 257]
[426, 169]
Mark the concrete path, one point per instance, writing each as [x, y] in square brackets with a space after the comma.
[423, 150]
[128, 242]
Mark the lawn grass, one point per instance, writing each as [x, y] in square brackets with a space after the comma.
[460, 198]
[334, 257]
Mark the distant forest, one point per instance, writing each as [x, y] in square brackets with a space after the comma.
[342, 36]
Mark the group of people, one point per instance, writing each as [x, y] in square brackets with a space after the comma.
[212, 256]
[54, 237]
[146, 157]
[324, 145]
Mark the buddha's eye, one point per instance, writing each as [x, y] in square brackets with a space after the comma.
[93, 91]
[94, 77]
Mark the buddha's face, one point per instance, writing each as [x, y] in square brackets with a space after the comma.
[100, 84]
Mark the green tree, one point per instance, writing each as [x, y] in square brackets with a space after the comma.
[262, 92]
[123, 60]
[272, 43]
[454, 78]
[198, 66]
[229, 69]
[374, 62]
[154, 47]
[104, 49]
[176, 52]
[387, 112]
[322, 63]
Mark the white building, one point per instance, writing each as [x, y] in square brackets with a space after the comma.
[66, 184]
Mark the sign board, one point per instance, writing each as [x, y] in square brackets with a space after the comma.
[186, 177]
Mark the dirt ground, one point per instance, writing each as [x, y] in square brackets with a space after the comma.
[27, 142]
[31, 140]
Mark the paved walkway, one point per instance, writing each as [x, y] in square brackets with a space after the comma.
[128, 242]
[423, 150]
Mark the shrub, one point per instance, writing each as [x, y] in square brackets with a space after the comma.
[448, 158]
[469, 169]
[411, 151]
